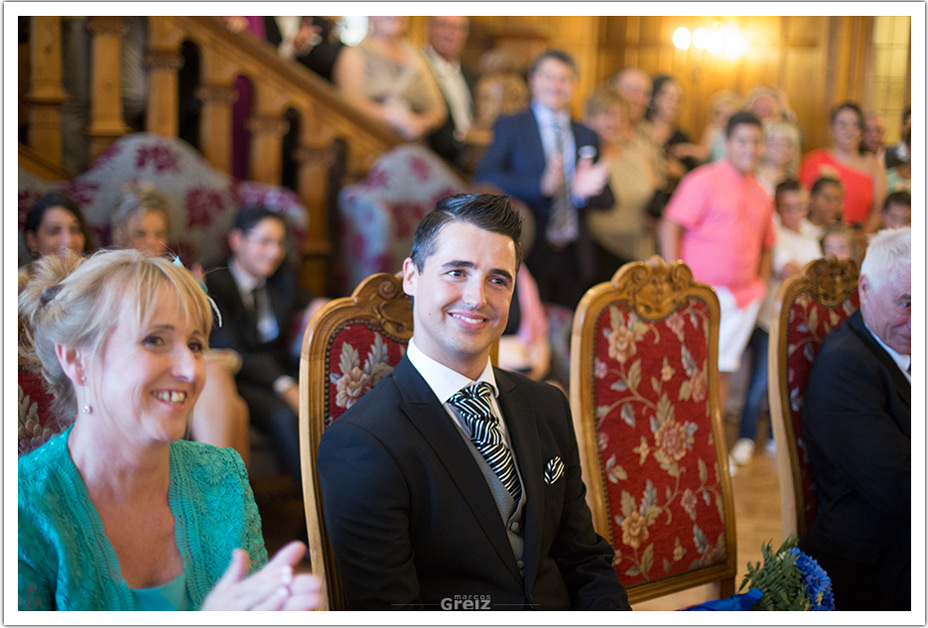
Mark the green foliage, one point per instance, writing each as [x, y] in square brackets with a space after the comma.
[778, 578]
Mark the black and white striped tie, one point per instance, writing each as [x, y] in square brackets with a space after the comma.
[473, 404]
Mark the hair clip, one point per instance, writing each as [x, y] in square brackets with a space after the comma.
[49, 293]
[212, 303]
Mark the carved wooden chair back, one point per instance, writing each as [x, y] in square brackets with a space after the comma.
[644, 395]
[350, 344]
[805, 309]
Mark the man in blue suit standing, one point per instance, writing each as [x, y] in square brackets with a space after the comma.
[548, 162]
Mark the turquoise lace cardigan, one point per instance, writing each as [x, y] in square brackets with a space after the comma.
[67, 563]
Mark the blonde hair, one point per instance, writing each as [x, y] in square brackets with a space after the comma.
[77, 302]
[603, 99]
[137, 197]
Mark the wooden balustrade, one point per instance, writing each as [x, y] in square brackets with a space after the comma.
[325, 116]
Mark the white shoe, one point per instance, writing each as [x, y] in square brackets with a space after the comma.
[732, 467]
[743, 451]
[770, 448]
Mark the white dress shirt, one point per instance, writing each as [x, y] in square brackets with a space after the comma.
[454, 87]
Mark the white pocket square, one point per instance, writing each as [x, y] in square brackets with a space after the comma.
[554, 470]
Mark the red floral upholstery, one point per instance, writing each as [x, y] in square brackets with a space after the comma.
[37, 422]
[645, 402]
[203, 201]
[809, 322]
[358, 357]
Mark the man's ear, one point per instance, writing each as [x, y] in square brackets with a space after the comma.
[72, 363]
[410, 275]
[235, 240]
[863, 285]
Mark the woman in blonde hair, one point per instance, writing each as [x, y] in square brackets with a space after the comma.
[142, 221]
[118, 512]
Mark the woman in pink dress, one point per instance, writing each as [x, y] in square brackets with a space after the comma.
[863, 177]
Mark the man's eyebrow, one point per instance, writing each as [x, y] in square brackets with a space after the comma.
[502, 273]
[459, 263]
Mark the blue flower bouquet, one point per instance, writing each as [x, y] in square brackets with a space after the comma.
[790, 580]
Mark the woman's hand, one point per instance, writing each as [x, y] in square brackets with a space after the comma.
[273, 588]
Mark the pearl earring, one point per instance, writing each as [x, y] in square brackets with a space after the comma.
[86, 409]
[83, 379]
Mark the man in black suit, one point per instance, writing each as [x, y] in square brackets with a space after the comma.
[857, 426]
[447, 35]
[547, 161]
[430, 503]
[259, 298]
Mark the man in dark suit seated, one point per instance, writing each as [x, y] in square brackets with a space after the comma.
[453, 485]
[447, 35]
[856, 422]
[259, 298]
[547, 161]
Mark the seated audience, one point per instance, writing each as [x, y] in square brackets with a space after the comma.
[856, 422]
[624, 232]
[722, 106]
[873, 136]
[433, 481]
[447, 35]
[780, 155]
[118, 512]
[796, 245]
[839, 240]
[825, 201]
[720, 222]
[896, 211]
[55, 225]
[548, 162]
[387, 78]
[862, 176]
[142, 221]
[259, 298]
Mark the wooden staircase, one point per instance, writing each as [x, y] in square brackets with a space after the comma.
[336, 143]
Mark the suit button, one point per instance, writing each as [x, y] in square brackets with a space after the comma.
[521, 564]
[514, 526]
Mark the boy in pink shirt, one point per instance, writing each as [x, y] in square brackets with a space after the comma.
[720, 222]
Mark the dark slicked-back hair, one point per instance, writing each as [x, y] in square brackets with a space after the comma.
[742, 117]
[558, 55]
[822, 182]
[490, 212]
[251, 216]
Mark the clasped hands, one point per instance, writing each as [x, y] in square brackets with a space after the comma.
[272, 588]
[589, 179]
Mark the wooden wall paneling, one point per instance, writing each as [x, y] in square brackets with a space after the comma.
[106, 122]
[46, 92]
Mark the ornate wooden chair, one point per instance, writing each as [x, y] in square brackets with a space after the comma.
[644, 395]
[37, 421]
[350, 344]
[805, 309]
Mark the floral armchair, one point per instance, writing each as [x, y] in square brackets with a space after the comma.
[644, 395]
[203, 200]
[379, 214]
[349, 345]
[37, 421]
[807, 307]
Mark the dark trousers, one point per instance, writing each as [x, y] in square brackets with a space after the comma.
[756, 398]
[271, 415]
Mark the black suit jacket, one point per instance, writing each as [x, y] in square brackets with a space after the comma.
[856, 422]
[515, 162]
[412, 520]
[262, 363]
[441, 140]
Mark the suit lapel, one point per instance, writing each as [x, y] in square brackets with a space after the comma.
[429, 417]
[523, 433]
[534, 147]
[901, 384]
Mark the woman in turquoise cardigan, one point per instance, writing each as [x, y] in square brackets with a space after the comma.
[117, 512]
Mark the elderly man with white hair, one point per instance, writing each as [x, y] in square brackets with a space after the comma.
[857, 427]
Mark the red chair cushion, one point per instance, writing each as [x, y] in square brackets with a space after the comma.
[37, 423]
[808, 323]
[357, 359]
[657, 451]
